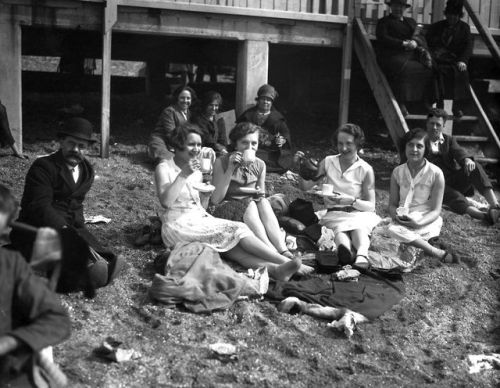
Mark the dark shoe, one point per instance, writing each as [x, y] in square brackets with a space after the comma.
[458, 114]
[345, 256]
[492, 215]
[450, 258]
[362, 264]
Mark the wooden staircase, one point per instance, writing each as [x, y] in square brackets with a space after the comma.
[473, 132]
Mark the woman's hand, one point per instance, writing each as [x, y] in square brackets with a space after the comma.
[341, 199]
[192, 166]
[409, 44]
[236, 158]
[259, 192]
[408, 221]
[298, 155]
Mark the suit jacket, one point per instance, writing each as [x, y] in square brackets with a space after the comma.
[52, 198]
[450, 157]
[29, 311]
[170, 118]
[460, 45]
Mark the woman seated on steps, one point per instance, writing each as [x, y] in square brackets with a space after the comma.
[416, 196]
[239, 180]
[351, 207]
[185, 220]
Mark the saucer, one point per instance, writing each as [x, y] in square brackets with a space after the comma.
[203, 187]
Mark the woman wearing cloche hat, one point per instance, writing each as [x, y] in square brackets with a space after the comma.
[399, 54]
[450, 42]
[274, 139]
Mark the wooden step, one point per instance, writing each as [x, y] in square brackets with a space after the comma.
[470, 139]
[485, 160]
[463, 119]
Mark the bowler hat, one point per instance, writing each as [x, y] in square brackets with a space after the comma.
[401, 2]
[79, 128]
[267, 91]
[454, 7]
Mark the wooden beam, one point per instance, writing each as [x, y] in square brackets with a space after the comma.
[486, 125]
[345, 82]
[109, 19]
[485, 33]
[382, 92]
[10, 73]
[225, 10]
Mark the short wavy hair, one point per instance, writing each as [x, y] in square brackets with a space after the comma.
[350, 129]
[177, 139]
[415, 133]
[8, 203]
[180, 89]
[436, 112]
[240, 131]
[209, 97]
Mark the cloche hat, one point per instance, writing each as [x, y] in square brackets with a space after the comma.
[267, 91]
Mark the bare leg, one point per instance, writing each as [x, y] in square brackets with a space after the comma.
[428, 248]
[490, 197]
[475, 213]
[360, 242]
[283, 271]
[271, 225]
[252, 219]
[342, 238]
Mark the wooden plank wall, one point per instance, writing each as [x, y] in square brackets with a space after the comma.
[327, 7]
[421, 11]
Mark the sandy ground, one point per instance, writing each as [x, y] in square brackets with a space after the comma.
[448, 313]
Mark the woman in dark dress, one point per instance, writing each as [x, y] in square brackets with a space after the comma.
[213, 129]
[450, 43]
[274, 139]
[402, 56]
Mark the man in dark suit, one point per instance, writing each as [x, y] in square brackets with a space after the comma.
[462, 174]
[54, 191]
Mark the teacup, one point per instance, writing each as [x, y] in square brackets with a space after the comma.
[327, 189]
[402, 211]
[205, 165]
[248, 156]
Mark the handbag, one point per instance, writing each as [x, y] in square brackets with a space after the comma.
[327, 262]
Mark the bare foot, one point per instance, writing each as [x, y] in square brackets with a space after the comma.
[305, 270]
[286, 270]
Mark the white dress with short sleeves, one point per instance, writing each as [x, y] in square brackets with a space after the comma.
[187, 221]
[415, 194]
[349, 182]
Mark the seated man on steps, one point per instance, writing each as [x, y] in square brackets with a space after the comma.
[461, 173]
[54, 191]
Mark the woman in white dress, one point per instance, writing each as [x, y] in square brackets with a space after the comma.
[351, 209]
[416, 196]
[185, 220]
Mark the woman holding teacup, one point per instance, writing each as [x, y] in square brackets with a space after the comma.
[416, 196]
[185, 220]
[239, 180]
[349, 195]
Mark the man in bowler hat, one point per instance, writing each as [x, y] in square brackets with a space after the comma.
[54, 191]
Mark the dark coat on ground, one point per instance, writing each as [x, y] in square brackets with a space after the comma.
[268, 150]
[410, 80]
[29, 311]
[449, 46]
[52, 198]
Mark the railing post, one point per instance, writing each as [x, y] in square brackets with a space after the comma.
[345, 83]
[109, 20]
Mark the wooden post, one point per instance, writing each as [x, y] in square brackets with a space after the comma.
[110, 15]
[10, 72]
[345, 83]
[252, 70]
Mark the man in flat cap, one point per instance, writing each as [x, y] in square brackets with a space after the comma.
[54, 191]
